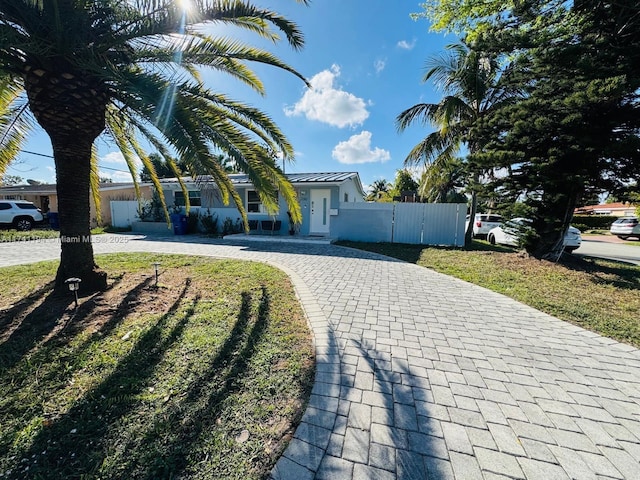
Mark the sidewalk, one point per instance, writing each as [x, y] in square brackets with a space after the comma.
[420, 375]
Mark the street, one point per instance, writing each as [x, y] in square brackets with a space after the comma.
[610, 247]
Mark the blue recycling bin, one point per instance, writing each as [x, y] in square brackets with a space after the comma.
[179, 221]
[54, 221]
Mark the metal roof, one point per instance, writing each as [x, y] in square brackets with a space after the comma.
[236, 179]
[328, 177]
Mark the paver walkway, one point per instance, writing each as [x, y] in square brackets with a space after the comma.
[420, 375]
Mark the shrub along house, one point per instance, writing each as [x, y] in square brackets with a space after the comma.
[319, 194]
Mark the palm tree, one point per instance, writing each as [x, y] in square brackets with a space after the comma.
[468, 79]
[130, 70]
[440, 182]
[378, 188]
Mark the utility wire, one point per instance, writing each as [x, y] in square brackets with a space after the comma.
[51, 156]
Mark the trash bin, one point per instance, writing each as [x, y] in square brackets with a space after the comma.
[54, 222]
[179, 222]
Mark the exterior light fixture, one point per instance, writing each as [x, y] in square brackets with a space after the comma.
[74, 285]
[156, 265]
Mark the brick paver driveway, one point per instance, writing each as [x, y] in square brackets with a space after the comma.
[420, 375]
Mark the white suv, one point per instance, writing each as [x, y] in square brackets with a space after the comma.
[626, 227]
[19, 214]
[483, 223]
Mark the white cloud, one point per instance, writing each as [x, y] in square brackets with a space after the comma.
[379, 65]
[325, 103]
[116, 176]
[358, 150]
[113, 157]
[405, 45]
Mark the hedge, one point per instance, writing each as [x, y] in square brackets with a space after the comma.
[595, 222]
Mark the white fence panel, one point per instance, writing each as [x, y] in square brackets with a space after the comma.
[123, 212]
[363, 222]
[414, 223]
[407, 222]
[444, 224]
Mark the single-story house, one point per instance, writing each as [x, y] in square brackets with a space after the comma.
[616, 209]
[319, 194]
[45, 197]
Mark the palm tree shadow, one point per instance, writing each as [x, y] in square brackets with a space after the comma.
[42, 321]
[34, 327]
[406, 427]
[100, 409]
[203, 400]
[20, 308]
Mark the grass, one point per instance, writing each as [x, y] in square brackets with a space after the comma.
[204, 376]
[13, 235]
[599, 295]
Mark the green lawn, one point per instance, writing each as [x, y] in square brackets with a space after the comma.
[599, 295]
[204, 376]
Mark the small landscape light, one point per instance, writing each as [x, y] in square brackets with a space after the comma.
[74, 285]
[156, 265]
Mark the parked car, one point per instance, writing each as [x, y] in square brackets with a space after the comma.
[19, 214]
[509, 232]
[483, 223]
[626, 227]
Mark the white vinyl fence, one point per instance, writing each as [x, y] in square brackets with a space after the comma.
[124, 213]
[416, 223]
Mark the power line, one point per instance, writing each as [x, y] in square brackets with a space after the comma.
[51, 156]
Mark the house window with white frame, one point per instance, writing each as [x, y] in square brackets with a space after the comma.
[194, 198]
[254, 204]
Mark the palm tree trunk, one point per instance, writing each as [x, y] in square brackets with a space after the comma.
[468, 235]
[72, 159]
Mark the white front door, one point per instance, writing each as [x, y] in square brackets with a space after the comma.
[320, 202]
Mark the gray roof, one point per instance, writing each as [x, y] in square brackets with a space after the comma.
[50, 188]
[329, 177]
[236, 178]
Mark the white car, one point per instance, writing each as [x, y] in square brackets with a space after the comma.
[19, 214]
[508, 234]
[626, 227]
[483, 223]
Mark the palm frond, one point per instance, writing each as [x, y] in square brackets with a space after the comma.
[94, 183]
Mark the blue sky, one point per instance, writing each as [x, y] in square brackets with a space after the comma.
[365, 60]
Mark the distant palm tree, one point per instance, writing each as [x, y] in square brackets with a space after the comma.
[378, 188]
[129, 69]
[440, 182]
[469, 80]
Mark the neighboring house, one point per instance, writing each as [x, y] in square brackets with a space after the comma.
[46, 198]
[319, 194]
[616, 209]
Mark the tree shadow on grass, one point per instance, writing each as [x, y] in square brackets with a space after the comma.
[92, 438]
[73, 443]
[195, 415]
[22, 306]
[43, 321]
[34, 327]
[605, 272]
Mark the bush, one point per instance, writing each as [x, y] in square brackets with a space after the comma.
[229, 226]
[209, 223]
[593, 222]
[193, 220]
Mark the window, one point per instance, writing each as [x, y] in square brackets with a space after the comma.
[254, 204]
[26, 206]
[5, 206]
[346, 198]
[194, 198]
